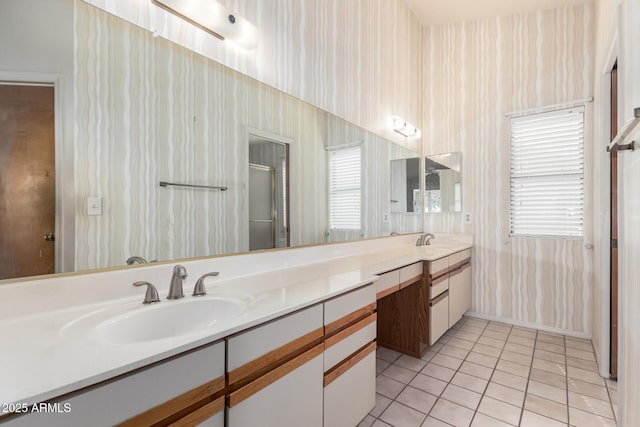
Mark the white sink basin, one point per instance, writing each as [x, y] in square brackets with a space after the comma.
[137, 323]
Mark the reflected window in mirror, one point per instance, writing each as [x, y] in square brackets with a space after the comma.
[345, 166]
[443, 183]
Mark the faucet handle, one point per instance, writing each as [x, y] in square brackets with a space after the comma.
[151, 296]
[199, 289]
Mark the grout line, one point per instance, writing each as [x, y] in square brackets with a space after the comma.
[566, 366]
[526, 387]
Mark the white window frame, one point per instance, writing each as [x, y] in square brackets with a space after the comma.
[354, 186]
[567, 179]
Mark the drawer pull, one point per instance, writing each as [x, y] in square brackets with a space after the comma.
[336, 372]
[439, 280]
[439, 298]
[334, 339]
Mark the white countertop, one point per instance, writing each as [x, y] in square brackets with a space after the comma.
[40, 362]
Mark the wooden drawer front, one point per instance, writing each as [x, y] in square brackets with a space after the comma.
[350, 397]
[409, 273]
[438, 286]
[387, 284]
[264, 345]
[438, 318]
[290, 395]
[348, 308]
[438, 267]
[210, 415]
[346, 342]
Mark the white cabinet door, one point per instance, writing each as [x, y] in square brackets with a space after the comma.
[459, 294]
[289, 396]
[438, 317]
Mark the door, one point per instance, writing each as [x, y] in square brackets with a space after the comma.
[613, 360]
[261, 207]
[27, 180]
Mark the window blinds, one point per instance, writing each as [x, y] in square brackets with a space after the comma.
[547, 174]
[344, 188]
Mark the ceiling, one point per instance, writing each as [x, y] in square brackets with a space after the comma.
[433, 12]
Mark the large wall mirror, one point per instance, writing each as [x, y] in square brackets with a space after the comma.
[133, 110]
[443, 182]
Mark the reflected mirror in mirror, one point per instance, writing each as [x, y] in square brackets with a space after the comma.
[443, 183]
[136, 110]
[405, 185]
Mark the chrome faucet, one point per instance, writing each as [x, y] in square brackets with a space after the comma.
[425, 239]
[175, 287]
[151, 296]
[132, 260]
[199, 289]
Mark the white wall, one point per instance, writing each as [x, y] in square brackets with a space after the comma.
[36, 41]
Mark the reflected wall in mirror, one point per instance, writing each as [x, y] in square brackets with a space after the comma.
[147, 110]
[443, 182]
[405, 185]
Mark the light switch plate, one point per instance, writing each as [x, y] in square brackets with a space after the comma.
[94, 206]
[385, 217]
[467, 217]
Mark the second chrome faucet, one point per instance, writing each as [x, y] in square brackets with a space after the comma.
[175, 286]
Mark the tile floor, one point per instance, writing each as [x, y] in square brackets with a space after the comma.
[488, 374]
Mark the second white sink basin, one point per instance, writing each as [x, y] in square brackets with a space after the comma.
[135, 323]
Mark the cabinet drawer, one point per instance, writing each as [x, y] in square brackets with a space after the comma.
[438, 317]
[348, 308]
[465, 255]
[351, 395]
[454, 259]
[210, 415]
[438, 286]
[410, 272]
[438, 267]
[264, 345]
[346, 342]
[387, 284]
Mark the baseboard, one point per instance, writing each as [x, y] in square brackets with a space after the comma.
[537, 326]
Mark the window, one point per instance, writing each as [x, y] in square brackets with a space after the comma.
[547, 174]
[344, 188]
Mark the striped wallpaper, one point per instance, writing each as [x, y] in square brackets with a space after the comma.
[474, 73]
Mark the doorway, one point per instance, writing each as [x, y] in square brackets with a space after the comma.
[27, 180]
[268, 193]
[613, 336]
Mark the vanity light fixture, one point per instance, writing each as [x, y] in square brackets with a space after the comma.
[215, 19]
[405, 128]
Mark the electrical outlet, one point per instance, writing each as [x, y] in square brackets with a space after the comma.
[385, 217]
[94, 206]
[467, 217]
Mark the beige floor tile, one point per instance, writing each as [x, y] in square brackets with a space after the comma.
[500, 410]
[457, 342]
[428, 384]
[446, 361]
[584, 375]
[487, 349]
[579, 345]
[367, 422]
[439, 372]
[381, 365]
[399, 415]
[548, 392]
[550, 338]
[501, 336]
[549, 355]
[433, 422]
[528, 342]
[509, 380]
[591, 404]
[583, 340]
[380, 423]
[452, 413]
[387, 355]
[550, 347]
[613, 395]
[517, 348]
[580, 418]
[589, 389]
[417, 399]
[524, 332]
[472, 329]
[475, 321]
[412, 363]
[467, 336]
[476, 370]
[388, 387]
[492, 342]
[545, 377]
[498, 327]
[513, 368]
[506, 394]
[587, 365]
[522, 359]
[428, 356]
[436, 347]
[530, 419]
[552, 367]
[481, 420]
[469, 382]
[453, 351]
[399, 374]
[381, 404]
[546, 407]
[461, 396]
[482, 359]
[580, 354]
[611, 383]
